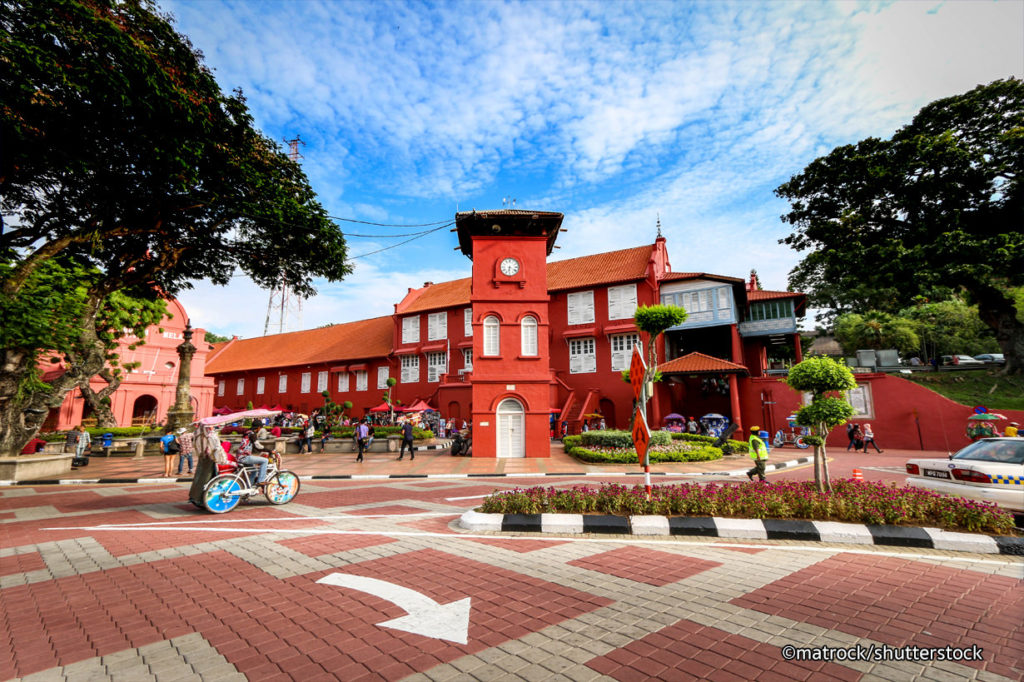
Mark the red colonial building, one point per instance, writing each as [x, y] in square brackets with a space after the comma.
[522, 339]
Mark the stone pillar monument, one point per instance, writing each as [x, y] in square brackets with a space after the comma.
[181, 414]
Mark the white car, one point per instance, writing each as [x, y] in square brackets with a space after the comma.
[991, 469]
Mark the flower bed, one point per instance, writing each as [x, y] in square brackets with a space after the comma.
[850, 502]
[669, 451]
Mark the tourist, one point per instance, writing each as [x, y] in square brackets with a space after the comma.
[869, 437]
[407, 441]
[184, 439]
[758, 453]
[169, 447]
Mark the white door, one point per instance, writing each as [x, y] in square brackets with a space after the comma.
[511, 436]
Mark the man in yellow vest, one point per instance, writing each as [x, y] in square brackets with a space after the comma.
[758, 453]
[1012, 430]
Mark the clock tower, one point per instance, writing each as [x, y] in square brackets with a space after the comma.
[511, 380]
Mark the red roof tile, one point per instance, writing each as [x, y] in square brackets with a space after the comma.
[441, 295]
[764, 295]
[624, 265]
[698, 363]
[340, 342]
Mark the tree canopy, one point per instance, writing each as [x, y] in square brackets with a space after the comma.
[826, 380]
[934, 210]
[127, 168]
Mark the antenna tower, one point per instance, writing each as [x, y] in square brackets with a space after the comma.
[284, 308]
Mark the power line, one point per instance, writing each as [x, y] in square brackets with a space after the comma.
[366, 222]
[395, 246]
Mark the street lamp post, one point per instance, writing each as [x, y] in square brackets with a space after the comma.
[181, 414]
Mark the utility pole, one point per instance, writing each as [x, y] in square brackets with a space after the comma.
[283, 302]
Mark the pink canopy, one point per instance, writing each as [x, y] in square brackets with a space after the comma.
[420, 406]
[223, 410]
[218, 420]
[383, 407]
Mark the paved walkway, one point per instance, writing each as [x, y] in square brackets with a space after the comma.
[439, 462]
[130, 582]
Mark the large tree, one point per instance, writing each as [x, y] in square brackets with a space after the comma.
[936, 209]
[125, 168]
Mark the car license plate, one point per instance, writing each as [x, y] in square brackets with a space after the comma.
[933, 473]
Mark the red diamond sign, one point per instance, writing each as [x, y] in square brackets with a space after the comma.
[637, 370]
[641, 436]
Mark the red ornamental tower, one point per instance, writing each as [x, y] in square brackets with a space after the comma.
[509, 296]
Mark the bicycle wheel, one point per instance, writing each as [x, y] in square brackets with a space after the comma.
[282, 487]
[221, 494]
[780, 439]
[801, 444]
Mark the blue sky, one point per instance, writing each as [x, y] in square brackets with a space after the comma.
[611, 113]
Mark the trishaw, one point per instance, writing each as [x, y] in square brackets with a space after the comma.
[794, 435]
[714, 424]
[230, 482]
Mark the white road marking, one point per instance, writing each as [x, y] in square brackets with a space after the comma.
[424, 615]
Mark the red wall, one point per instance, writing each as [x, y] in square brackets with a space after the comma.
[899, 406]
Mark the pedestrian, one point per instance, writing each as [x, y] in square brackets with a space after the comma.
[407, 441]
[758, 453]
[604, 425]
[361, 434]
[276, 431]
[869, 437]
[1012, 430]
[370, 433]
[325, 436]
[169, 446]
[184, 439]
[83, 442]
[585, 427]
[691, 426]
[852, 431]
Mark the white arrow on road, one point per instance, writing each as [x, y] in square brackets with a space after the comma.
[424, 615]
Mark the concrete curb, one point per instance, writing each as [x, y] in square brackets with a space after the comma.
[748, 529]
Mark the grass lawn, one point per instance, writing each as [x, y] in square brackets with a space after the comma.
[976, 387]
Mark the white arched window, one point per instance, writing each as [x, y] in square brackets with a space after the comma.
[528, 333]
[491, 328]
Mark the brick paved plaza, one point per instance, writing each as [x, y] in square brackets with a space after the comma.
[130, 582]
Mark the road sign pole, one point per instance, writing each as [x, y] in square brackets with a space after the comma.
[641, 434]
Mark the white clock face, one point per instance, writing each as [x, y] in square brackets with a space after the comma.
[509, 267]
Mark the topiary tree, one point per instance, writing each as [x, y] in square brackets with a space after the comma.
[654, 320]
[826, 380]
[387, 398]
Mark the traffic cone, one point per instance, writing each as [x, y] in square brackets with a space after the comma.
[857, 476]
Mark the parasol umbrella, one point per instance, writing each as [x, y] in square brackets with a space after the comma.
[985, 417]
[420, 406]
[675, 416]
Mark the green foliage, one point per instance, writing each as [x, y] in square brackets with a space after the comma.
[392, 381]
[828, 410]
[995, 391]
[680, 453]
[876, 330]
[950, 327]
[850, 502]
[612, 438]
[935, 208]
[654, 319]
[819, 375]
[216, 338]
[382, 432]
[728, 448]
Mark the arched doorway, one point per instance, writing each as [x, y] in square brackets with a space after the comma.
[511, 432]
[453, 410]
[144, 410]
[607, 408]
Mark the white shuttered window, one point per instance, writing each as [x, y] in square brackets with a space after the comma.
[467, 321]
[467, 359]
[382, 376]
[307, 378]
[321, 382]
[437, 326]
[282, 383]
[581, 307]
[528, 334]
[621, 302]
[410, 369]
[343, 382]
[220, 387]
[240, 389]
[492, 329]
[436, 366]
[411, 329]
[582, 357]
[361, 380]
[261, 385]
[622, 350]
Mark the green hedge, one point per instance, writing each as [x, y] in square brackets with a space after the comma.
[611, 438]
[381, 432]
[729, 447]
[662, 452]
[96, 433]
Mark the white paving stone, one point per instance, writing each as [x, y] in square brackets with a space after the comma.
[740, 528]
[561, 523]
[649, 525]
[844, 533]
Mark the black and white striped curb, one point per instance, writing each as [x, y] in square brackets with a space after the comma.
[745, 529]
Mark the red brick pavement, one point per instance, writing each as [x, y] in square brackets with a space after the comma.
[521, 546]
[47, 497]
[21, 563]
[645, 565]
[93, 502]
[690, 651]
[17, 533]
[319, 545]
[377, 494]
[392, 509]
[269, 628]
[900, 602]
